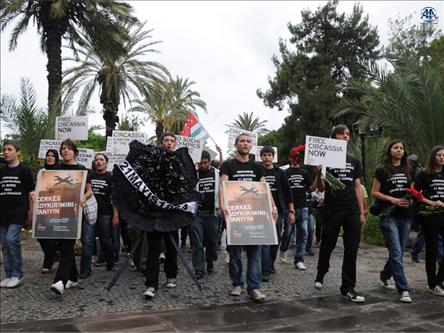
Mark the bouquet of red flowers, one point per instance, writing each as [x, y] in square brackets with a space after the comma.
[410, 194]
[297, 153]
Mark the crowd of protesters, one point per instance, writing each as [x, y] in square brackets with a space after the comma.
[301, 195]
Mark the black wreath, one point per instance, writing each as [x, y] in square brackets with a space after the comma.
[170, 175]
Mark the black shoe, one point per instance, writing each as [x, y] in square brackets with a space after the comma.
[109, 267]
[265, 277]
[273, 270]
[99, 262]
[199, 275]
[210, 268]
[311, 252]
[415, 259]
[84, 275]
[353, 296]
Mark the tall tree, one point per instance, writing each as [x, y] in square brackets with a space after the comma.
[69, 19]
[27, 122]
[123, 75]
[329, 48]
[248, 122]
[408, 103]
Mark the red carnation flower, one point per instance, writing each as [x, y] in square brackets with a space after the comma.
[418, 196]
[297, 152]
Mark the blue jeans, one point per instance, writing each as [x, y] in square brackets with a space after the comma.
[87, 246]
[269, 252]
[104, 228]
[12, 250]
[116, 242]
[301, 233]
[310, 232]
[419, 243]
[204, 233]
[396, 233]
[254, 267]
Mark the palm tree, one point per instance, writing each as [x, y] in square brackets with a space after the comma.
[248, 122]
[168, 105]
[69, 19]
[28, 124]
[118, 75]
[408, 103]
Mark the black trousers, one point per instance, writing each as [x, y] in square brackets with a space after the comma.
[320, 216]
[67, 269]
[155, 239]
[432, 226]
[349, 221]
[49, 247]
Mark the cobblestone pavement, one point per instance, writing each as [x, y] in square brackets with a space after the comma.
[33, 301]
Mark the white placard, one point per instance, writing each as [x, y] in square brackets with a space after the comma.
[49, 144]
[119, 142]
[234, 132]
[257, 150]
[85, 157]
[194, 146]
[74, 128]
[112, 159]
[326, 152]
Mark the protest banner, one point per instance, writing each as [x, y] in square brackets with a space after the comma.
[57, 212]
[74, 128]
[49, 144]
[249, 220]
[194, 146]
[234, 132]
[119, 142]
[112, 159]
[257, 151]
[326, 152]
[85, 157]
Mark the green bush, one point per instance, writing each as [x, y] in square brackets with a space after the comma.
[371, 233]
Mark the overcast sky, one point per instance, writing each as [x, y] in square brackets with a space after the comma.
[224, 47]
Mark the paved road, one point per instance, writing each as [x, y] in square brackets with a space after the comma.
[292, 303]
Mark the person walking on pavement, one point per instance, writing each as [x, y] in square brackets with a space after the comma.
[241, 168]
[344, 209]
[205, 225]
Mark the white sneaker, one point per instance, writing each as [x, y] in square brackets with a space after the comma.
[71, 284]
[437, 291]
[300, 265]
[227, 258]
[171, 283]
[318, 285]
[150, 292]
[283, 257]
[14, 282]
[58, 288]
[236, 291]
[405, 297]
[387, 285]
[256, 295]
[4, 282]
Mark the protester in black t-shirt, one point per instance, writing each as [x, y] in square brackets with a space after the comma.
[344, 208]
[205, 225]
[16, 182]
[49, 246]
[389, 188]
[431, 183]
[301, 183]
[241, 168]
[283, 199]
[67, 274]
[155, 238]
[107, 217]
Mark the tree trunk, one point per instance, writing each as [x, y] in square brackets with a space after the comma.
[110, 116]
[159, 131]
[54, 68]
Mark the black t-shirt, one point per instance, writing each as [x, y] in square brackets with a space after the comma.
[432, 186]
[394, 185]
[300, 182]
[15, 185]
[279, 187]
[242, 171]
[207, 186]
[346, 198]
[101, 186]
